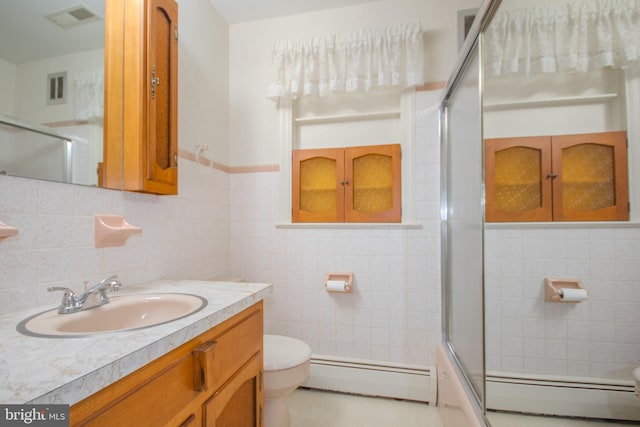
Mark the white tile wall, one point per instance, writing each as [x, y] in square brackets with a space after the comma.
[394, 311]
[596, 338]
[224, 225]
[183, 237]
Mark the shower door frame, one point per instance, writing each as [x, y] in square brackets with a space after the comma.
[471, 48]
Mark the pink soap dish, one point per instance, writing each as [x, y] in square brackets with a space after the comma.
[113, 230]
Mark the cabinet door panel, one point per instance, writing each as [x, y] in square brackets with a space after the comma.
[162, 70]
[373, 190]
[591, 181]
[318, 190]
[518, 179]
[239, 401]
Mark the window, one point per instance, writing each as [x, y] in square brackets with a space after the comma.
[353, 184]
[580, 177]
[57, 88]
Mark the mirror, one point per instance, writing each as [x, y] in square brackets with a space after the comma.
[541, 355]
[537, 87]
[52, 89]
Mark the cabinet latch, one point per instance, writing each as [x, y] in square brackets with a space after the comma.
[155, 81]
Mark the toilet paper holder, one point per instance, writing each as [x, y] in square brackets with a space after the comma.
[334, 278]
[554, 290]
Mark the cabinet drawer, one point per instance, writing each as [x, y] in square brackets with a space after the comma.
[217, 359]
[154, 403]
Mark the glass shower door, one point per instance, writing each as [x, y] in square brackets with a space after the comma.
[462, 227]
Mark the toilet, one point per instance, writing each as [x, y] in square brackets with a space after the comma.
[286, 366]
[636, 377]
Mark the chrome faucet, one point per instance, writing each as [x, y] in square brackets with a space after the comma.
[93, 297]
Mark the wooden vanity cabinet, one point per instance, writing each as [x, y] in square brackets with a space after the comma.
[141, 96]
[215, 379]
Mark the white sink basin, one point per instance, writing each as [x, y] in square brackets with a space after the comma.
[120, 314]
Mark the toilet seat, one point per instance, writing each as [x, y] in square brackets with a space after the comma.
[284, 352]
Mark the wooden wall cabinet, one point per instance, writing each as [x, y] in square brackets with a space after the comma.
[141, 96]
[215, 379]
[353, 184]
[580, 177]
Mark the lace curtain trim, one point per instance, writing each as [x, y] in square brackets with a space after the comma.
[89, 96]
[358, 61]
[580, 36]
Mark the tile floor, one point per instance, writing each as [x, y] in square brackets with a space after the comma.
[314, 408]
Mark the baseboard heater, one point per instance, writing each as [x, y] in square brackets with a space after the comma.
[562, 396]
[373, 378]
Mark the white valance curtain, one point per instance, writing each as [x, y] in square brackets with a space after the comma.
[359, 61]
[579, 36]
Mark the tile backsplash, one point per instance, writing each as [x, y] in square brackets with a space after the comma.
[223, 225]
[183, 236]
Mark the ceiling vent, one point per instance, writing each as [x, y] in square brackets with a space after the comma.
[73, 16]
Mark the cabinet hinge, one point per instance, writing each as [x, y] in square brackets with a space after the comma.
[175, 34]
[260, 381]
[260, 417]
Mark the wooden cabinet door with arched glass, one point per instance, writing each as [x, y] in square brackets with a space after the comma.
[590, 177]
[318, 185]
[373, 187]
[518, 179]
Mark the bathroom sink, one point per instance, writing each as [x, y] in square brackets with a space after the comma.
[122, 313]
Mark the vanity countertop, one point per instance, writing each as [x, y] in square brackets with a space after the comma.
[67, 370]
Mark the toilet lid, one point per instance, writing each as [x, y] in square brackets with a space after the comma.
[284, 352]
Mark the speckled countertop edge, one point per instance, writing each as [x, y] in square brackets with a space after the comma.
[66, 370]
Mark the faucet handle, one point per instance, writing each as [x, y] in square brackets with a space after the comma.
[68, 298]
[111, 282]
[109, 279]
[67, 291]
